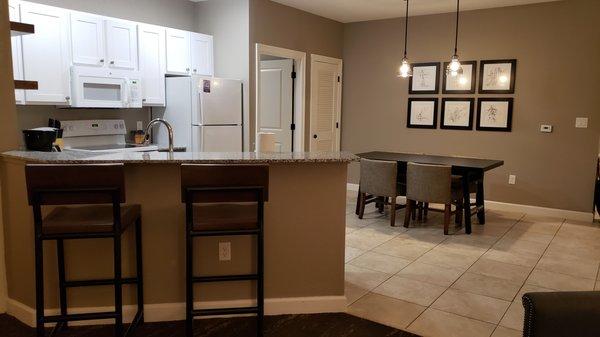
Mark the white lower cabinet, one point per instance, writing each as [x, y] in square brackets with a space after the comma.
[152, 51]
[46, 54]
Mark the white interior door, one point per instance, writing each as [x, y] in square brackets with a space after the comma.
[121, 44]
[275, 101]
[87, 39]
[325, 103]
[17, 57]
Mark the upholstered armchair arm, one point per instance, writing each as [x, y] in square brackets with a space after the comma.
[562, 314]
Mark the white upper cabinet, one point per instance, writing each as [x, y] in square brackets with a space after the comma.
[202, 54]
[17, 58]
[46, 54]
[152, 51]
[121, 44]
[87, 39]
[178, 52]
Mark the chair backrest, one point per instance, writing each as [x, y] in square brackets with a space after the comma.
[75, 184]
[379, 177]
[429, 183]
[224, 183]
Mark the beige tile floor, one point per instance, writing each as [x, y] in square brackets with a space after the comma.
[421, 281]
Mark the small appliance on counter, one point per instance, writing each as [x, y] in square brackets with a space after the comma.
[41, 139]
[101, 135]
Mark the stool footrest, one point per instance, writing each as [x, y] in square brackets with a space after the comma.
[224, 278]
[103, 282]
[80, 317]
[225, 311]
[226, 232]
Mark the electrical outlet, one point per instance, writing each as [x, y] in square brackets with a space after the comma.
[581, 122]
[546, 128]
[140, 125]
[224, 251]
[512, 179]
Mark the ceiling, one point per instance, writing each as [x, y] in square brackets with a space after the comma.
[364, 10]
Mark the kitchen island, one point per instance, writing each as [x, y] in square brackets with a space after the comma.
[304, 236]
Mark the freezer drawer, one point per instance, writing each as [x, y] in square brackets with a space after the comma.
[217, 138]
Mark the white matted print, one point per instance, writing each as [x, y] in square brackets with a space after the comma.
[425, 78]
[422, 113]
[498, 77]
[457, 113]
[461, 84]
[495, 114]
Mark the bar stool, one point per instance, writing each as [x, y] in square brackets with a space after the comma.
[224, 200]
[99, 191]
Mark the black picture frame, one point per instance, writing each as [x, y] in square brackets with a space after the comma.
[409, 112]
[513, 76]
[457, 99]
[508, 127]
[415, 67]
[473, 79]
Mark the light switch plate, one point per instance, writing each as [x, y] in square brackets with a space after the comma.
[512, 179]
[140, 125]
[546, 128]
[581, 122]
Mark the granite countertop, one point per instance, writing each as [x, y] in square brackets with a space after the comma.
[155, 157]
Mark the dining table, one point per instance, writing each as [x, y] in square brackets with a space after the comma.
[470, 170]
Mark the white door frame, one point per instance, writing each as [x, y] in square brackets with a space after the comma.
[339, 63]
[299, 89]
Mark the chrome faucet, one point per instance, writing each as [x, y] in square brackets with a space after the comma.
[169, 130]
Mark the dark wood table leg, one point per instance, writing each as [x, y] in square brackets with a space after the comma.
[466, 202]
[357, 202]
[480, 202]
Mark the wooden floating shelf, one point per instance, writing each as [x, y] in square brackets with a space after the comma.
[19, 28]
[27, 85]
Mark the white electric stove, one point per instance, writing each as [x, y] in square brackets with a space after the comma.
[99, 135]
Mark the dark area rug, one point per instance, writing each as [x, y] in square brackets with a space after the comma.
[317, 325]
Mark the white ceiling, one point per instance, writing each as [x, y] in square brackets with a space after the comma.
[364, 10]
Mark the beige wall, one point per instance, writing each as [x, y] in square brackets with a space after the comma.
[558, 50]
[179, 14]
[286, 27]
[228, 22]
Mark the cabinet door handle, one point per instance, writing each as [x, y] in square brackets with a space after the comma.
[143, 100]
[101, 60]
[195, 70]
[67, 98]
[112, 62]
[187, 69]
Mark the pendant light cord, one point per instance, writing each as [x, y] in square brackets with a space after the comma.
[406, 29]
[456, 36]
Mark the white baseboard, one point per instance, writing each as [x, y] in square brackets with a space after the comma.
[529, 209]
[176, 311]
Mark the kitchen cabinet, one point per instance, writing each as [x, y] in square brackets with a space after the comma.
[87, 39]
[121, 44]
[201, 54]
[178, 52]
[17, 58]
[152, 51]
[46, 54]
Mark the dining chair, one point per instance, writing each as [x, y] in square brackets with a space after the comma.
[427, 184]
[379, 184]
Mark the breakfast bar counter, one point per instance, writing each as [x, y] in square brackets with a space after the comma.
[304, 236]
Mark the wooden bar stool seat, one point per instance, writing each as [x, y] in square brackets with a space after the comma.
[88, 219]
[225, 217]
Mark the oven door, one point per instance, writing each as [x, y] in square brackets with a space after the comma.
[96, 91]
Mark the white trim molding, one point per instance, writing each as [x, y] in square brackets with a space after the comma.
[528, 209]
[166, 312]
[299, 89]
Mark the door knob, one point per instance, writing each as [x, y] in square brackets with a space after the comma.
[315, 136]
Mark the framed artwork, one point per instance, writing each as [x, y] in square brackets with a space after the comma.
[425, 78]
[494, 114]
[457, 113]
[463, 84]
[497, 77]
[422, 113]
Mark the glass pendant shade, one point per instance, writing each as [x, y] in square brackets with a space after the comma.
[454, 67]
[405, 69]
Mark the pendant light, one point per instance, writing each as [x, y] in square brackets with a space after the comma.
[454, 67]
[405, 68]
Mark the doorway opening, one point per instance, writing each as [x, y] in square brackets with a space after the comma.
[280, 96]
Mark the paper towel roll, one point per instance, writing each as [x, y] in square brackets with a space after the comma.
[265, 142]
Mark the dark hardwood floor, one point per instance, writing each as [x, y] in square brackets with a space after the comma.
[318, 325]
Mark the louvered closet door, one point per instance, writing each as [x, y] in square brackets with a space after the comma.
[324, 107]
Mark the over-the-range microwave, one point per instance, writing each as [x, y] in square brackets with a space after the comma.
[105, 88]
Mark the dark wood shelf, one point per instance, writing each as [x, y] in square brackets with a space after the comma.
[19, 28]
[27, 85]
